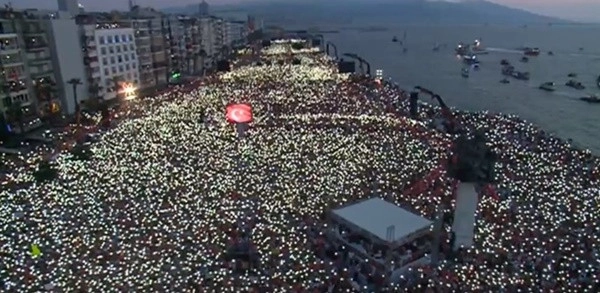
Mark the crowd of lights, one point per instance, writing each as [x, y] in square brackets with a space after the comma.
[169, 189]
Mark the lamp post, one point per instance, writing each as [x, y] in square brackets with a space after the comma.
[75, 82]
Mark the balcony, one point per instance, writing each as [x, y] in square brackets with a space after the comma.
[4, 36]
[11, 60]
[35, 46]
[158, 65]
[8, 50]
[43, 72]
[40, 61]
[92, 53]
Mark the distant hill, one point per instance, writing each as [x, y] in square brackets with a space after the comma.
[382, 12]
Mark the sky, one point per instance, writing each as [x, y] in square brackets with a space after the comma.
[581, 10]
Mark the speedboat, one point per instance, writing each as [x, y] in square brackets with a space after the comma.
[470, 59]
[504, 62]
[464, 72]
[591, 99]
[524, 59]
[575, 84]
[532, 51]
[547, 86]
[505, 81]
[572, 74]
[520, 75]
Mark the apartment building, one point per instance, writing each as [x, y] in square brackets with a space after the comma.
[152, 38]
[110, 55]
[27, 80]
[186, 50]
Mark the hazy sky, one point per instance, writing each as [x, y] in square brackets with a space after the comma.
[585, 10]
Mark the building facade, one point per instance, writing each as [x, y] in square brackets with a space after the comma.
[117, 60]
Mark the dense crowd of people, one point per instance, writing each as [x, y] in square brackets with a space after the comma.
[172, 200]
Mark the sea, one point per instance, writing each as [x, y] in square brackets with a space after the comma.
[576, 49]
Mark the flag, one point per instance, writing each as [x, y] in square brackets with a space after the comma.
[35, 250]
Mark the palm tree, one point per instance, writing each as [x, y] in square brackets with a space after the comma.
[75, 82]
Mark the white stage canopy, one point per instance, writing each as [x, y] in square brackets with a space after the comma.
[376, 217]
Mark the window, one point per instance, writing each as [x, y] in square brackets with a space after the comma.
[126, 57]
[114, 70]
[112, 60]
[106, 72]
[124, 38]
[117, 39]
[108, 82]
[132, 56]
[129, 76]
[124, 48]
[127, 67]
[120, 59]
[109, 39]
[135, 74]
[133, 65]
[131, 47]
[103, 50]
[104, 61]
[101, 40]
[111, 50]
[131, 38]
[118, 49]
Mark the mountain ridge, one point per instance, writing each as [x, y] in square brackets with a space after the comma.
[378, 12]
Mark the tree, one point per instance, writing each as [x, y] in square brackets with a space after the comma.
[75, 82]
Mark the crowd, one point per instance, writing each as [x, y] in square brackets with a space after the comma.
[171, 197]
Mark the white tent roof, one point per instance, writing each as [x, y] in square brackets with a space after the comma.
[376, 215]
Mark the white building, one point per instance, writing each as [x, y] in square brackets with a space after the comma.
[118, 60]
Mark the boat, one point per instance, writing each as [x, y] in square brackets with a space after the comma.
[524, 59]
[520, 75]
[550, 53]
[572, 74]
[470, 59]
[475, 66]
[547, 86]
[395, 39]
[464, 72]
[531, 51]
[591, 99]
[575, 84]
[462, 49]
[436, 47]
[477, 48]
[504, 62]
[508, 70]
[505, 81]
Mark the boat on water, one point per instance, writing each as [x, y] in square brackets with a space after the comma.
[504, 62]
[575, 84]
[593, 99]
[464, 72]
[531, 51]
[395, 39]
[548, 86]
[505, 81]
[524, 59]
[520, 75]
[470, 59]
[470, 49]
[572, 74]
[550, 53]
[436, 47]
[475, 66]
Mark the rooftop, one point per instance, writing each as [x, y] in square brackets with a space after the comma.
[376, 215]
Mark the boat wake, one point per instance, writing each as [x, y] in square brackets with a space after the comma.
[504, 50]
